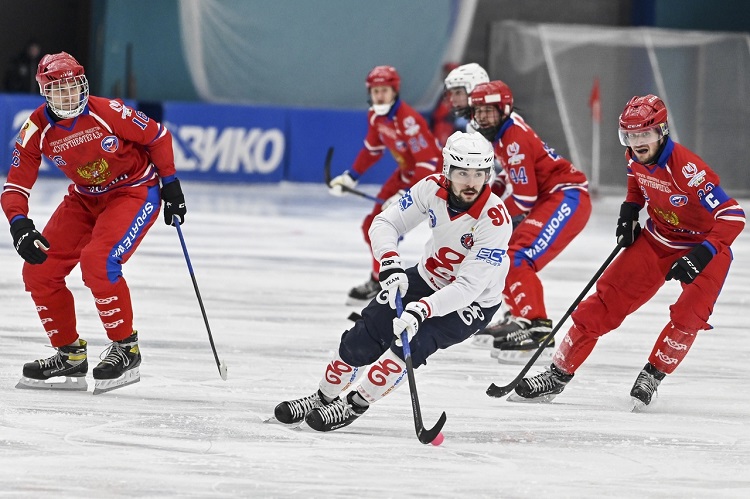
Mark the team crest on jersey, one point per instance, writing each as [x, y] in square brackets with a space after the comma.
[110, 143]
[696, 177]
[514, 156]
[467, 240]
[433, 218]
[411, 127]
[27, 130]
[95, 172]
[678, 200]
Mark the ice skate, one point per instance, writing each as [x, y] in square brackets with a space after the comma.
[66, 370]
[294, 411]
[119, 367]
[362, 295]
[337, 414]
[645, 387]
[521, 345]
[543, 387]
[497, 332]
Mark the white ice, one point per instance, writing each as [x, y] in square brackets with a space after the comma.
[274, 264]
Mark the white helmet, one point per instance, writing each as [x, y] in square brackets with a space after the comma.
[467, 76]
[468, 150]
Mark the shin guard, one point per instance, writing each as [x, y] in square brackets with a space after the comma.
[670, 349]
[574, 349]
[339, 376]
[383, 376]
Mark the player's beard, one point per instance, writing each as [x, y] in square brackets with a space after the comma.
[458, 202]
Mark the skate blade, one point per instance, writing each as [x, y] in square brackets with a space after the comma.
[127, 378]
[521, 357]
[637, 405]
[292, 426]
[514, 397]
[484, 341]
[69, 383]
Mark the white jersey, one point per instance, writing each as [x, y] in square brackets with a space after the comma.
[466, 259]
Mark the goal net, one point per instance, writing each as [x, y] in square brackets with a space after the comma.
[703, 77]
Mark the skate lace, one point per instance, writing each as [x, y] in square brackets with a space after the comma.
[541, 382]
[519, 335]
[335, 412]
[54, 361]
[116, 354]
[301, 407]
[646, 382]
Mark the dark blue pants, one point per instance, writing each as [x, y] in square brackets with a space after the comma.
[370, 336]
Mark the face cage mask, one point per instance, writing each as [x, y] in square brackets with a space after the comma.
[68, 97]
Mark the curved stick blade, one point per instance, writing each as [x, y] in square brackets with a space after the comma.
[427, 436]
[500, 391]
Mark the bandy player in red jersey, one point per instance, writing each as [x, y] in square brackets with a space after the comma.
[115, 157]
[550, 206]
[396, 126]
[691, 224]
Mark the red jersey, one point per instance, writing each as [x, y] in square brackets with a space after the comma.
[109, 146]
[405, 133]
[686, 206]
[534, 169]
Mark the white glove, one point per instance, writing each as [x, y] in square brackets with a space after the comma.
[392, 277]
[336, 187]
[414, 314]
[392, 199]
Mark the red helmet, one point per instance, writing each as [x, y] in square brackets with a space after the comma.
[643, 121]
[55, 67]
[383, 76]
[63, 83]
[494, 93]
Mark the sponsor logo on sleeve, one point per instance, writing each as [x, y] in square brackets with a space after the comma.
[493, 256]
[405, 201]
[27, 130]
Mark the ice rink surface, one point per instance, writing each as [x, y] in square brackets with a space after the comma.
[274, 264]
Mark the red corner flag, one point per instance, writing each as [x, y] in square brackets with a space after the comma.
[594, 102]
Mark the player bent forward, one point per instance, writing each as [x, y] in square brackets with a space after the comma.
[451, 294]
[691, 224]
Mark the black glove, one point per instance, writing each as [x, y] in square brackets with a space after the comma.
[687, 268]
[518, 219]
[174, 202]
[28, 242]
[628, 227]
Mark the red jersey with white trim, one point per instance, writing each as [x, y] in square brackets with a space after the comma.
[534, 169]
[109, 146]
[405, 133]
[465, 260]
[685, 203]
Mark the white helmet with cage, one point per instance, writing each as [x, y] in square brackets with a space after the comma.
[467, 76]
[468, 151]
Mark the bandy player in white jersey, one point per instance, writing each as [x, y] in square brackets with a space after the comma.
[449, 295]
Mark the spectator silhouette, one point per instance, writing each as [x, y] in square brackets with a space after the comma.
[21, 73]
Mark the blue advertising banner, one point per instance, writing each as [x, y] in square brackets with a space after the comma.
[313, 131]
[224, 143]
[232, 143]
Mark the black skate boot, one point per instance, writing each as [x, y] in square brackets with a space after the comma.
[120, 366]
[337, 414]
[497, 332]
[66, 370]
[362, 294]
[520, 345]
[541, 388]
[645, 386]
[294, 411]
